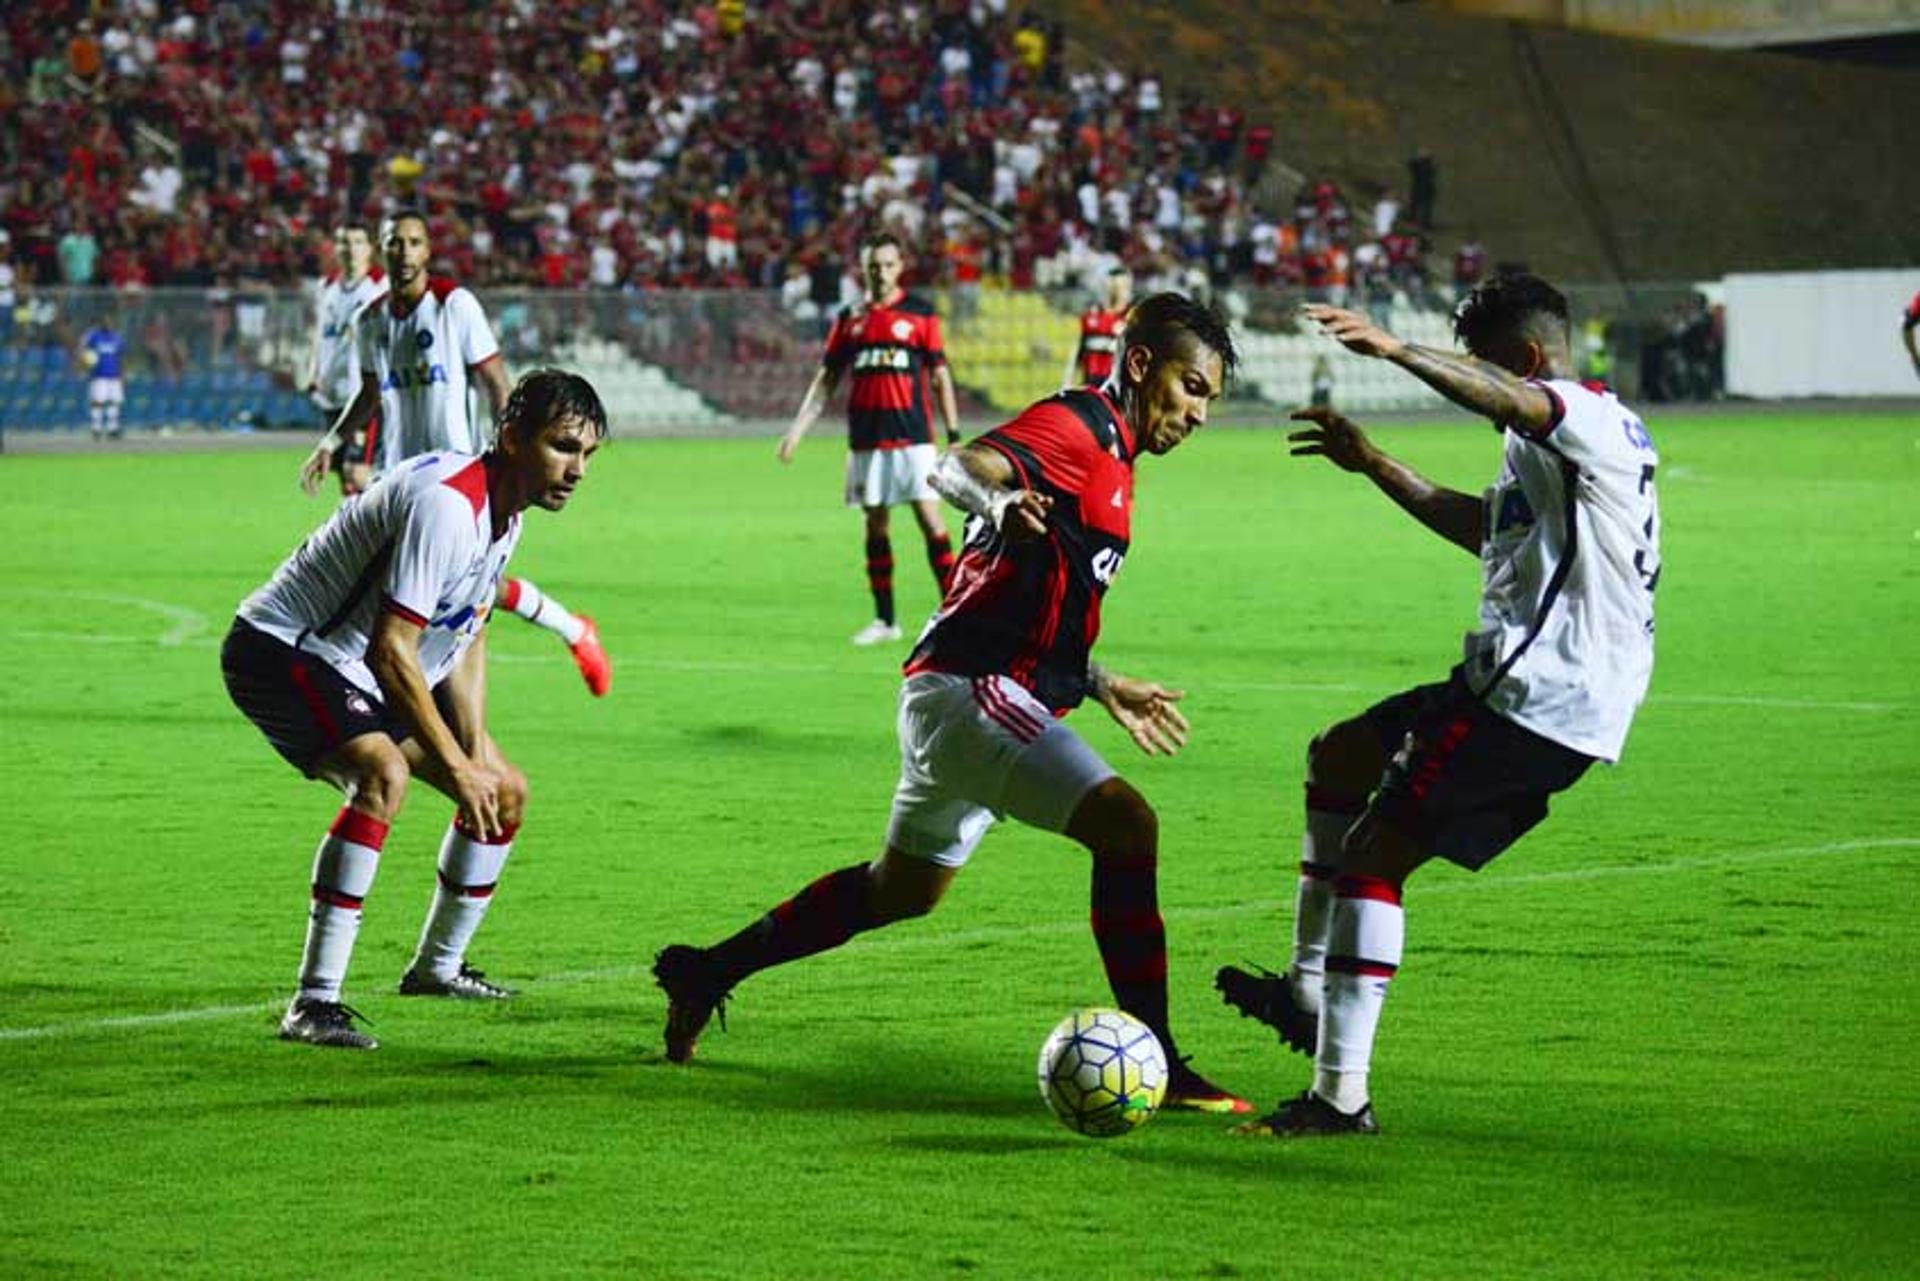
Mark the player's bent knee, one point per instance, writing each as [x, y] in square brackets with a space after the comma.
[1114, 819]
[512, 795]
[904, 887]
[377, 781]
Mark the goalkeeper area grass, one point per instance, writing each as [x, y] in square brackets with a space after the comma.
[1670, 1033]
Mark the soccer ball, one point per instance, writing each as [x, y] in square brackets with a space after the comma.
[1102, 1073]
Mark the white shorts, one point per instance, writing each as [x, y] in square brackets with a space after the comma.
[889, 477]
[978, 748]
[106, 391]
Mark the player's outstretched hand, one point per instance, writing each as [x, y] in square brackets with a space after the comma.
[314, 470]
[1352, 330]
[1025, 516]
[1336, 438]
[1146, 711]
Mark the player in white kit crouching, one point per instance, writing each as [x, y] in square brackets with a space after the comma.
[363, 661]
[419, 345]
[1569, 543]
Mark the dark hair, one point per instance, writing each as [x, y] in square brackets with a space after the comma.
[1511, 305]
[544, 396]
[353, 224]
[1120, 270]
[1161, 322]
[877, 239]
[413, 212]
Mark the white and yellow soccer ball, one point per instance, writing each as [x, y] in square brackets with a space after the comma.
[1103, 1073]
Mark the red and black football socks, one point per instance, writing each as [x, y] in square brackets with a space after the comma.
[1132, 938]
[880, 577]
[940, 558]
[819, 918]
[343, 870]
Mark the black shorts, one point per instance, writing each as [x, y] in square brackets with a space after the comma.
[1464, 782]
[304, 707]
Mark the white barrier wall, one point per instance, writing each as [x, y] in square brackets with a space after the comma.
[1825, 333]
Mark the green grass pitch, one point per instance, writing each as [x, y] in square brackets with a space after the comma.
[1672, 1033]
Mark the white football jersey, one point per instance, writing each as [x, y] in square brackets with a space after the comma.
[418, 543]
[1571, 559]
[422, 359]
[337, 306]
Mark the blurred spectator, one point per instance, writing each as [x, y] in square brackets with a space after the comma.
[225, 140]
[9, 292]
[79, 254]
[1386, 212]
[1322, 381]
[1423, 188]
[1469, 265]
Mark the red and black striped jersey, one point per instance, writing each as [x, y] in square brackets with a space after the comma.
[1099, 343]
[1031, 610]
[892, 349]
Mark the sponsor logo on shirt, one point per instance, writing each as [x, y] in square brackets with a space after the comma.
[420, 374]
[884, 358]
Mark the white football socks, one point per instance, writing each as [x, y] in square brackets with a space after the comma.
[343, 870]
[1313, 904]
[469, 870]
[540, 609]
[1364, 947]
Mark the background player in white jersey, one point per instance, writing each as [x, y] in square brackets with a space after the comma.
[103, 351]
[1569, 543]
[333, 372]
[418, 343]
[363, 661]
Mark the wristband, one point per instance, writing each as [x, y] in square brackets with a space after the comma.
[952, 481]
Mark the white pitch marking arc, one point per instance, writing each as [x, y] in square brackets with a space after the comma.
[184, 624]
[961, 938]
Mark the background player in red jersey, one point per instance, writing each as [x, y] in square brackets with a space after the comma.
[892, 344]
[1100, 327]
[1001, 662]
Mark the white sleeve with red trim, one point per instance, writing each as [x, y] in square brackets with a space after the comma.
[435, 547]
[1592, 429]
[471, 331]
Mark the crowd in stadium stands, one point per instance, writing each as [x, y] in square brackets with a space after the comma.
[645, 144]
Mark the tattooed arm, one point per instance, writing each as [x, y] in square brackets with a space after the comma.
[1470, 383]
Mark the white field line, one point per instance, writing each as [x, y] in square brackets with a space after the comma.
[189, 627]
[962, 938]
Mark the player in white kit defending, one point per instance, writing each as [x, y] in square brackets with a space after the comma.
[363, 662]
[1569, 543]
[419, 343]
